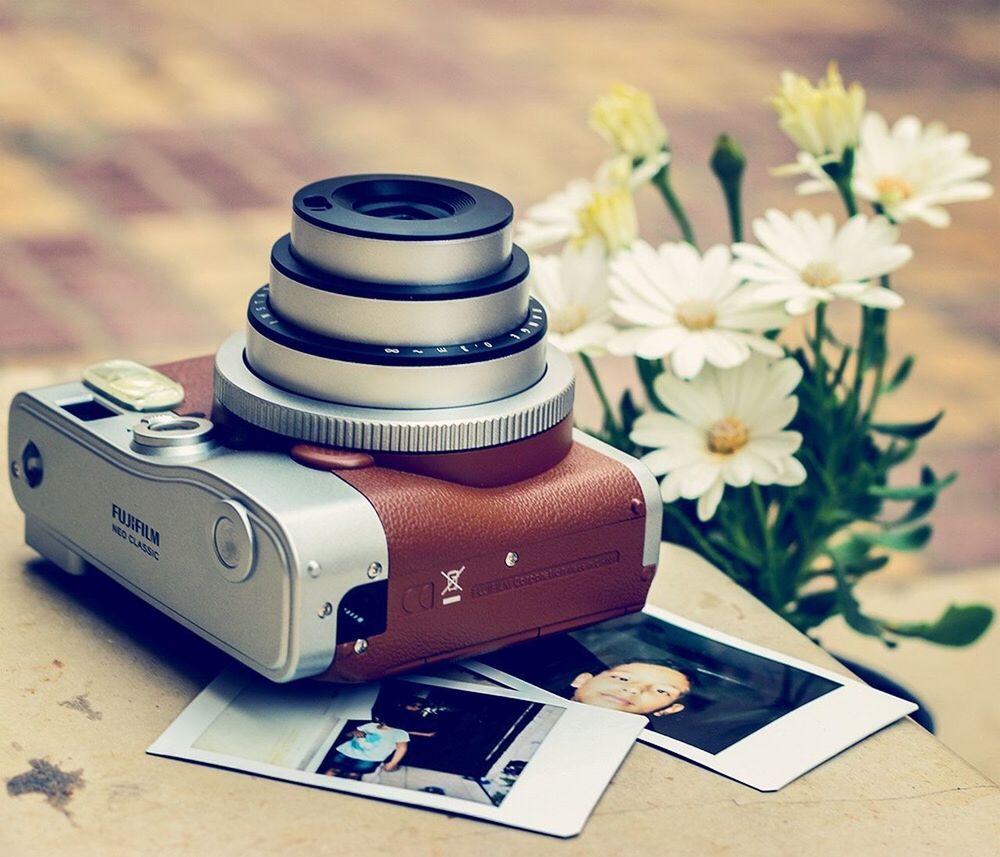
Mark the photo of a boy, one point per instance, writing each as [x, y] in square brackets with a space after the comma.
[368, 747]
[716, 694]
[637, 688]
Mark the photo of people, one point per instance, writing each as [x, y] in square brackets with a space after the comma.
[442, 740]
[365, 748]
[697, 690]
[472, 748]
[753, 714]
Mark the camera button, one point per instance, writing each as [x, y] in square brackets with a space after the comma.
[330, 457]
[232, 538]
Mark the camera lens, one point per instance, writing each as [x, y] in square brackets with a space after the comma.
[402, 229]
[402, 293]
[400, 261]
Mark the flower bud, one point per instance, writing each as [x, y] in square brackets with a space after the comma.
[823, 120]
[728, 160]
[627, 119]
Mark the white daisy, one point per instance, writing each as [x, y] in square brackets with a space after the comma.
[689, 307]
[573, 288]
[913, 170]
[806, 260]
[909, 171]
[601, 208]
[728, 430]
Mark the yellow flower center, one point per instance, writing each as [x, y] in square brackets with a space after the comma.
[820, 275]
[892, 190]
[728, 435]
[697, 314]
[567, 319]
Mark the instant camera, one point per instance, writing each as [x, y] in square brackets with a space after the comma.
[378, 474]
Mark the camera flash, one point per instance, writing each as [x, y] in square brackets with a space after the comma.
[133, 385]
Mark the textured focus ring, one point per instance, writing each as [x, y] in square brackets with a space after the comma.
[528, 413]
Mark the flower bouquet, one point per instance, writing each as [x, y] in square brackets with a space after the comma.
[775, 465]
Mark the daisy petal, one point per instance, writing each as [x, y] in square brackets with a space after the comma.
[708, 502]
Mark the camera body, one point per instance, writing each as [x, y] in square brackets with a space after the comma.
[342, 508]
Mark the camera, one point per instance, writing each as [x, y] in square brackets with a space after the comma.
[378, 474]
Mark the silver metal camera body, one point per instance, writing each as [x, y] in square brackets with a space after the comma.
[246, 548]
[350, 508]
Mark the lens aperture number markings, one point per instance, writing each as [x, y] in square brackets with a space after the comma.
[268, 324]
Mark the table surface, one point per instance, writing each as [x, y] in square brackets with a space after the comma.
[91, 675]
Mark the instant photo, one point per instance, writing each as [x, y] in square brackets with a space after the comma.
[744, 711]
[468, 749]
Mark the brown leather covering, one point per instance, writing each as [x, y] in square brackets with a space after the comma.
[196, 376]
[578, 529]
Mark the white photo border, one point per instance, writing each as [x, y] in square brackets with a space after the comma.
[557, 764]
[784, 749]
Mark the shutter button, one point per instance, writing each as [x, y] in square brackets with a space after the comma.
[232, 538]
[170, 433]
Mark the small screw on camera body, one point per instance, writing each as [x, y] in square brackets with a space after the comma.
[325, 610]
[511, 559]
[374, 570]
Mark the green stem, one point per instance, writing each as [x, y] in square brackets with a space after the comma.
[648, 370]
[729, 162]
[879, 318]
[706, 549]
[847, 195]
[868, 317]
[662, 182]
[820, 335]
[765, 531]
[731, 191]
[611, 424]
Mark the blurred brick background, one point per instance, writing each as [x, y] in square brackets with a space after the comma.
[148, 151]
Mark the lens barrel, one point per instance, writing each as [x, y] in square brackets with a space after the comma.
[402, 229]
[395, 292]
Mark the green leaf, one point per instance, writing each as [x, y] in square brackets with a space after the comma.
[914, 492]
[629, 412]
[906, 540]
[818, 604]
[897, 453]
[900, 375]
[910, 431]
[867, 565]
[838, 373]
[957, 626]
[852, 558]
[648, 371]
[921, 506]
[814, 609]
[849, 606]
[851, 551]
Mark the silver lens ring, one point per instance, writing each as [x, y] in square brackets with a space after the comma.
[534, 410]
[396, 376]
[388, 228]
[392, 314]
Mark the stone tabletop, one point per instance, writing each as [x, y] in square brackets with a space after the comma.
[91, 675]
